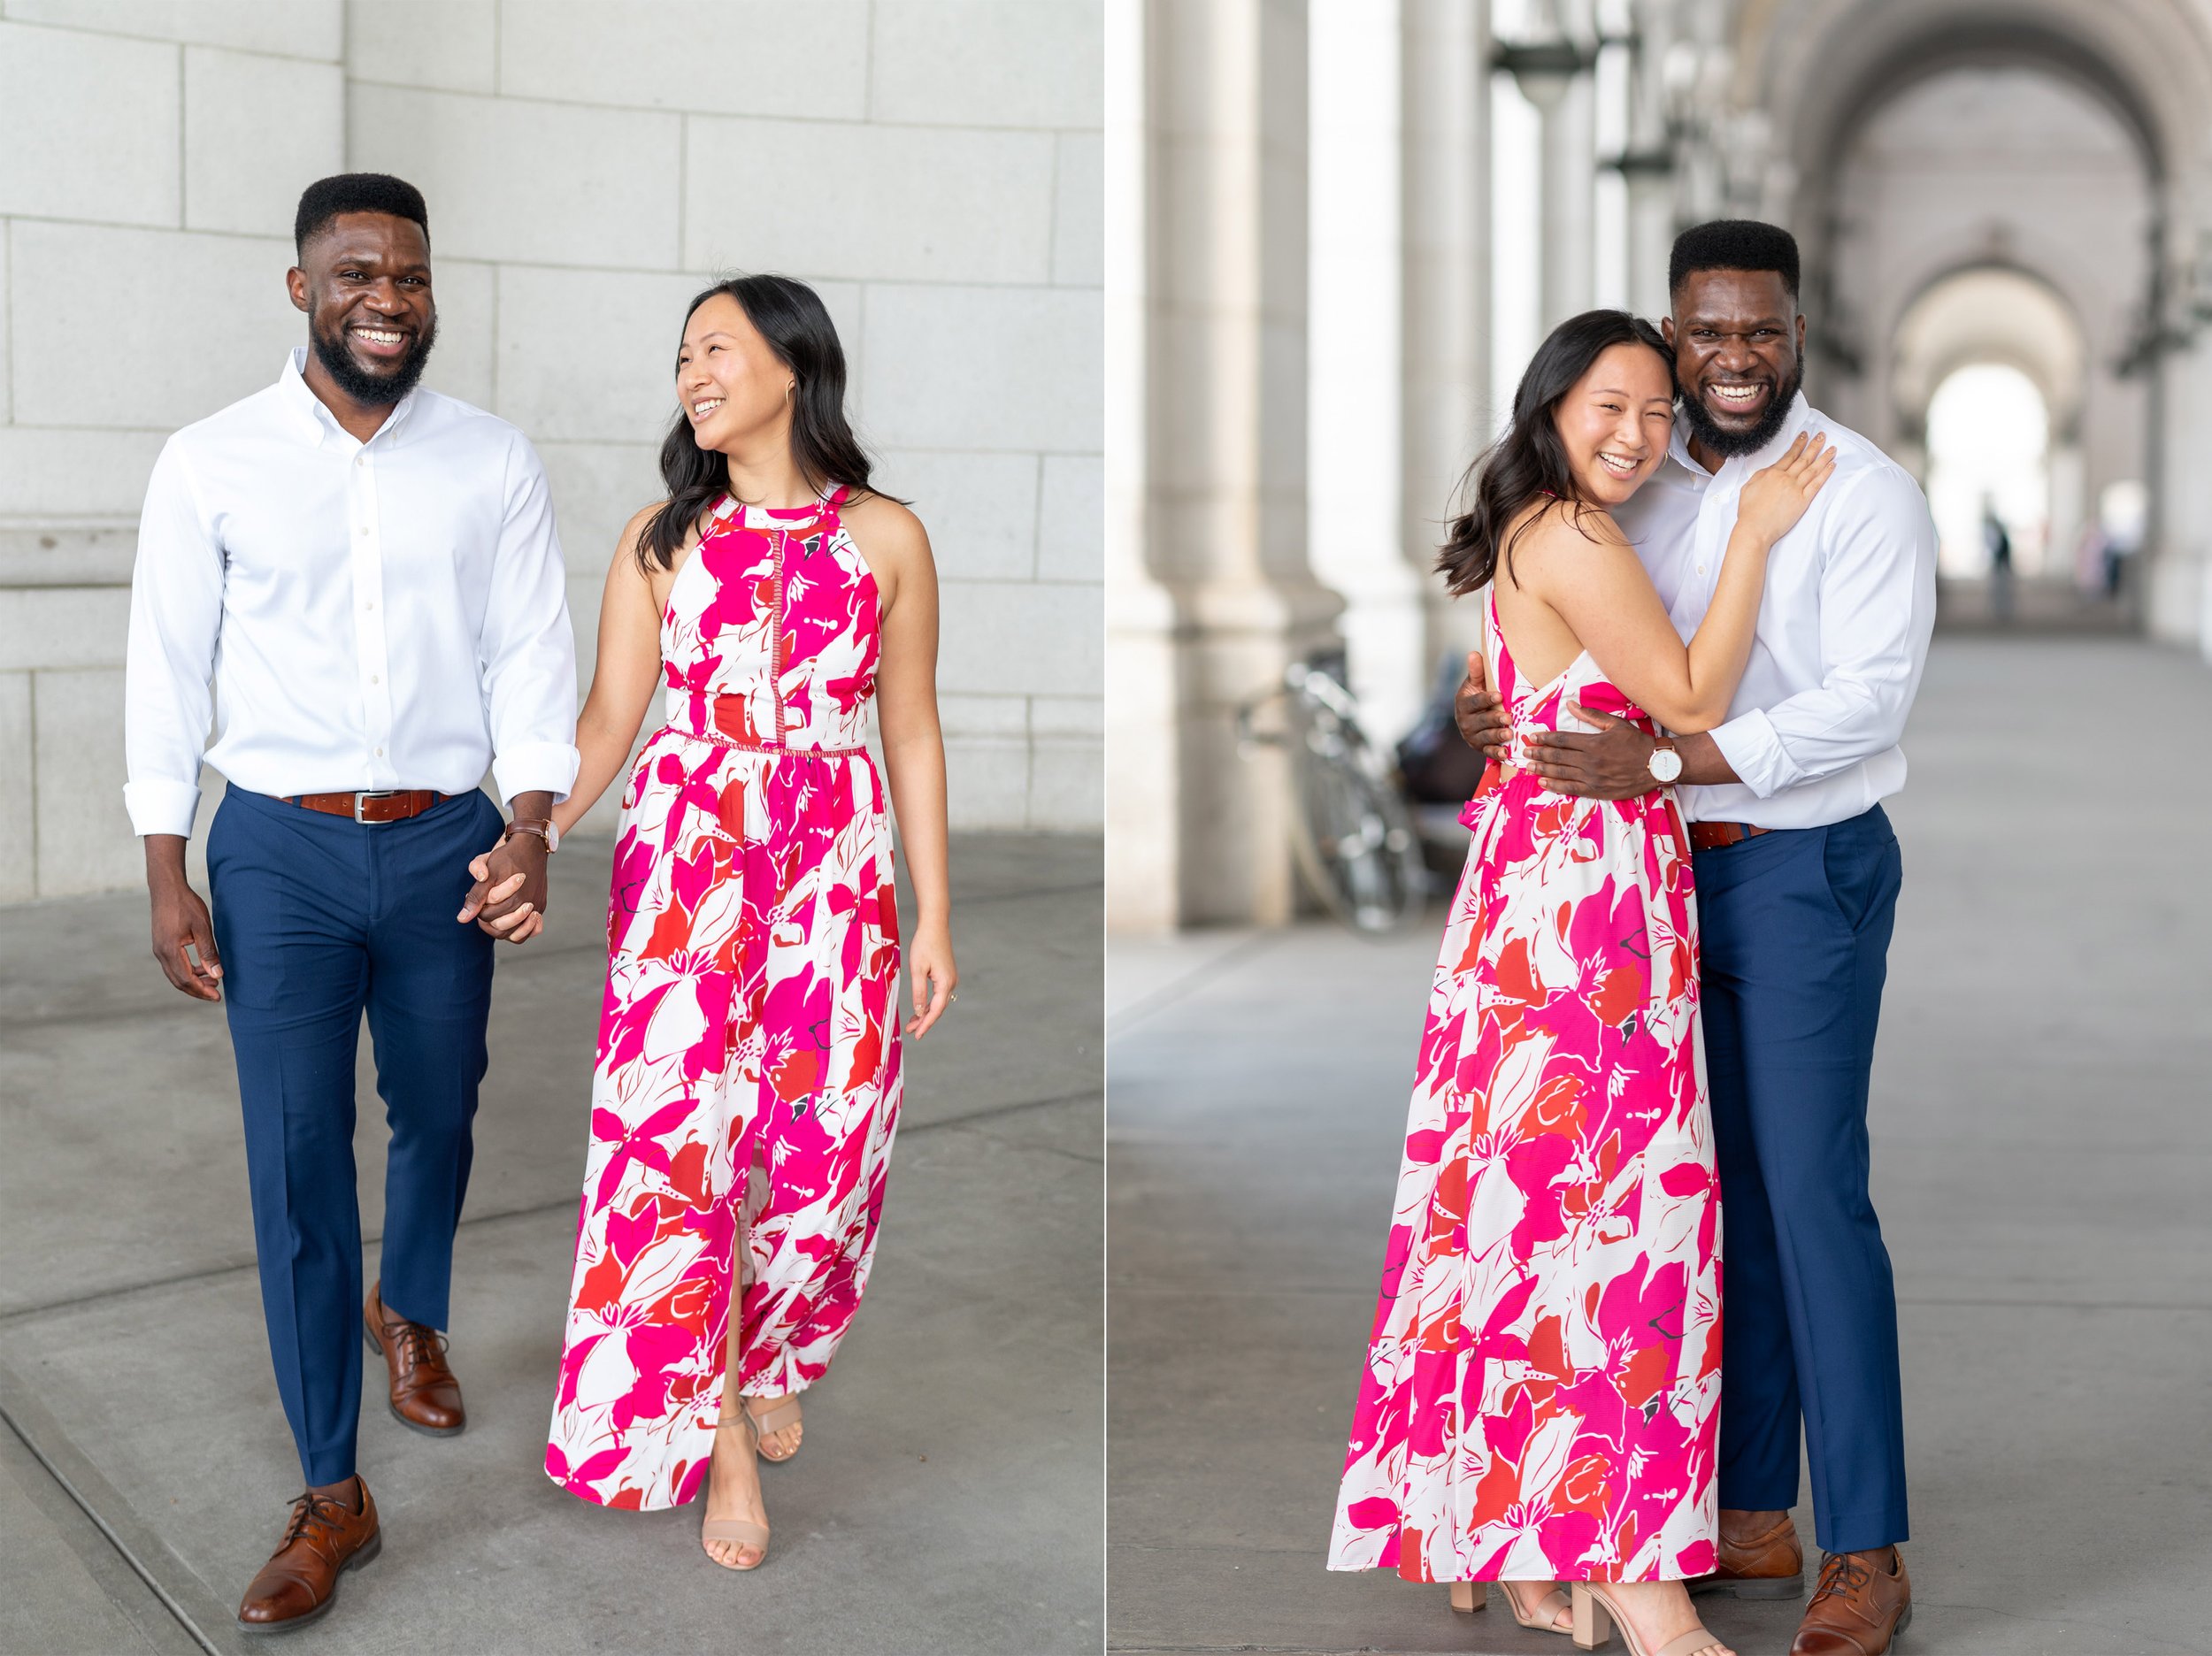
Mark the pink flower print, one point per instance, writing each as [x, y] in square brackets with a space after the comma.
[749, 1030]
[1540, 1367]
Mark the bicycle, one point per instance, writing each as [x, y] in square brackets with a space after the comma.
[1351, 837]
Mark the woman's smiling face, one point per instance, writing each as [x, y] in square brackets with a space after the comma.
[1615, 422]
[732, 385]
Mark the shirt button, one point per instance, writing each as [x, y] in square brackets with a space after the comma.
[369, 603]
[374, 679]
[360, 459]
[379, 752]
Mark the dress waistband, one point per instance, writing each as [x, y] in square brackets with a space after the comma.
[742, 745]
[726, 721]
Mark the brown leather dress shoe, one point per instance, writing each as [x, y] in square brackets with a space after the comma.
[425, 1394]
[1857, 1610]
[1768, 1565]
[299, 1583]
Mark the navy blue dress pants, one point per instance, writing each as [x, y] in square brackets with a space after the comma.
[1795, 926]
[318, 919]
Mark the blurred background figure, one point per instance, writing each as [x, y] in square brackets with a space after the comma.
[1998, 544]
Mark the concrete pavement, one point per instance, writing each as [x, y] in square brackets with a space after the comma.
[948, 1497]
[2042, 1148]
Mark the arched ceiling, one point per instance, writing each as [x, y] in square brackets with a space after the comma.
[1819, 68]
[1989, 314]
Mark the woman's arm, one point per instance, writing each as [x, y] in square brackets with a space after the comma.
[1601, 591]
[895, 545]
[623, 679]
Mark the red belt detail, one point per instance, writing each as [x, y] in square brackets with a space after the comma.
[1711, 836]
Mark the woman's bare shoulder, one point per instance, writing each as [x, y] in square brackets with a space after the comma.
[1568, 530]
[881, 527]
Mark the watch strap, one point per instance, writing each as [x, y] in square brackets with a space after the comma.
[540, 826]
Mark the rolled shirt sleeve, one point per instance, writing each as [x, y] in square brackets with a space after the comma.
[529, 646]
[176, 611]
[1876, 612]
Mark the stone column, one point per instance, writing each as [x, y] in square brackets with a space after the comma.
[1567, 206]
[1647, 162]
[1553, 72]
[1357, 352]
[1225, 425]
[1143, 672]
[2175, 598]
[1446, 79]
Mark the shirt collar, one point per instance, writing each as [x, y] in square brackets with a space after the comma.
[1738, 466]
[314, 418]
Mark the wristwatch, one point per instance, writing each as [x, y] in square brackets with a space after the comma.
[542, 826]
[1666, 764]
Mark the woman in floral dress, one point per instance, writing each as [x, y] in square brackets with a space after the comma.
[1539, 1397]
[747, 1083]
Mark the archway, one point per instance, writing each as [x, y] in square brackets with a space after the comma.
[1988, 372]
[1989, 473]
[1998, 214]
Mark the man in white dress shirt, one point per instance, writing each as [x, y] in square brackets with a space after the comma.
[1797, 876]
[357, 584]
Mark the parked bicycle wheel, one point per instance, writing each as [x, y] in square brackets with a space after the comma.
[1351, 837]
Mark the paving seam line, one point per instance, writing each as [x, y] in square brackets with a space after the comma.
[1145, 1006]
[24, 1313]
[51, 1446]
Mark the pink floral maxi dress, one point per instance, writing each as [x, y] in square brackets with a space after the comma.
[1542, 1383]
[750, 1015]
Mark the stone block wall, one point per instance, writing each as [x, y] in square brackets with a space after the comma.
[933, 166]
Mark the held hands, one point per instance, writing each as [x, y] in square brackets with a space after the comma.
[929, 958]
[1775, 496]
[508, 900]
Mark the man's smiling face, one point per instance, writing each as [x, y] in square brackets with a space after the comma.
[364, 280]
[1738, 353]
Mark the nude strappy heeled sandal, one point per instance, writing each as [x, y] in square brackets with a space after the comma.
[784, 1413]
[741, 1532]
[1594, 1616]
[1468, 1597]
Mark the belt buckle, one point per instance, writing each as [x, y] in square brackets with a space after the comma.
[361, 799]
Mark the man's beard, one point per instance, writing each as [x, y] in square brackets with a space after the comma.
[373, 390]
[1726, 443]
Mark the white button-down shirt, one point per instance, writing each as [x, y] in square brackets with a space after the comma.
[1842, 633]
[351, 615]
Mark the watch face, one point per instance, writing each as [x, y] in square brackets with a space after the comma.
[1666, 764]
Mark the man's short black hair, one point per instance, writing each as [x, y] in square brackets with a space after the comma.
[1744, 244]
[355, 192]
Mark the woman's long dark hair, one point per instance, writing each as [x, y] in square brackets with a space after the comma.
[1529, 461]
[792, 318]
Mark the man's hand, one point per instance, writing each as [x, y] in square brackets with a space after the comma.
[508, 900]
[183, 928]
[1479, 713]
[1614, 763]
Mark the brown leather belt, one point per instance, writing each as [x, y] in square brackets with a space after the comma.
[1711, 836]
[380, 806]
